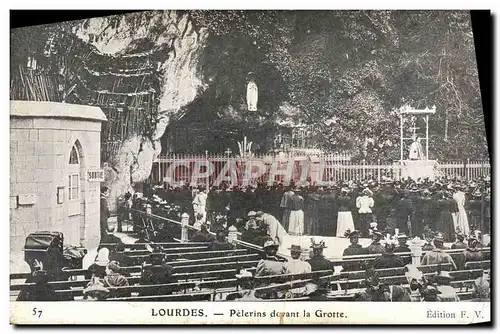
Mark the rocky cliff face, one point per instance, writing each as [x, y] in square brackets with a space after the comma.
[181, 80]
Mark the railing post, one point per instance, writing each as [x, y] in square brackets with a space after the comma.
[232, 234]
[378, 177]
[467, 170]
[416, 251]
[184, 228]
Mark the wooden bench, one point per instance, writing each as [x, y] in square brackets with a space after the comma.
[398, 271]
[156, 289]
[199, 296]
[210, 260]
[478, 265]
[193, 255]
[461, 278]
[169, 250]
[405, 255]
[350, 294]
[165, 245]
[65, 285]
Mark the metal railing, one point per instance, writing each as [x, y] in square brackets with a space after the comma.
[209, 169]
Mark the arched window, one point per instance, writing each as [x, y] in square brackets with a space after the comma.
[73, 157]
[74, 182]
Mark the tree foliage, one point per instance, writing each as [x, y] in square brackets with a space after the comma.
[350, 71]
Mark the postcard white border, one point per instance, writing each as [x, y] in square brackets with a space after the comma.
[248, 313]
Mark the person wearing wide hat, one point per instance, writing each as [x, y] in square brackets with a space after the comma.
[459, 243]
[353, 249]
[270, 264]
[377, 291]
[344, 217]
[158, 272]
[251, 231]
[317, 259]
[482, 287]
[404, 210]
[295, 265]
[447, 292]
[247, 283]
[117, 253]
[317, 290]
[420, 204]
[473, 252]
[461, 219]
[251, 224]
[41, 291]
[437, 255]
[445, 217]
[388, 259]
[402, 246]
[376, 247]
[114, 278]
[475, 206]
[274, 229]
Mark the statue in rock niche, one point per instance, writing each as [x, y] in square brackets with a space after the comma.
[252, 92]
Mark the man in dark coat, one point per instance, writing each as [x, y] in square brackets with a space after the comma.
[104, 211]
[383, 204]
[354, 249]
[475, 206]
[158, 272]
[402, 247]
[42, 291]
[318, 260]
[404, 210]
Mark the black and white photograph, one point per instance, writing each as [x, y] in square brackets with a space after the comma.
[224, 157]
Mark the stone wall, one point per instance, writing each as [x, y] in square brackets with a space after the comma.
[39, 153]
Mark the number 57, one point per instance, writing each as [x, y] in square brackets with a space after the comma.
[35, 311]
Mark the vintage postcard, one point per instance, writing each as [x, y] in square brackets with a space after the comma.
[249, 167]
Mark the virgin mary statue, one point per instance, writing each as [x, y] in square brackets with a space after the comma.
[252, 93]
